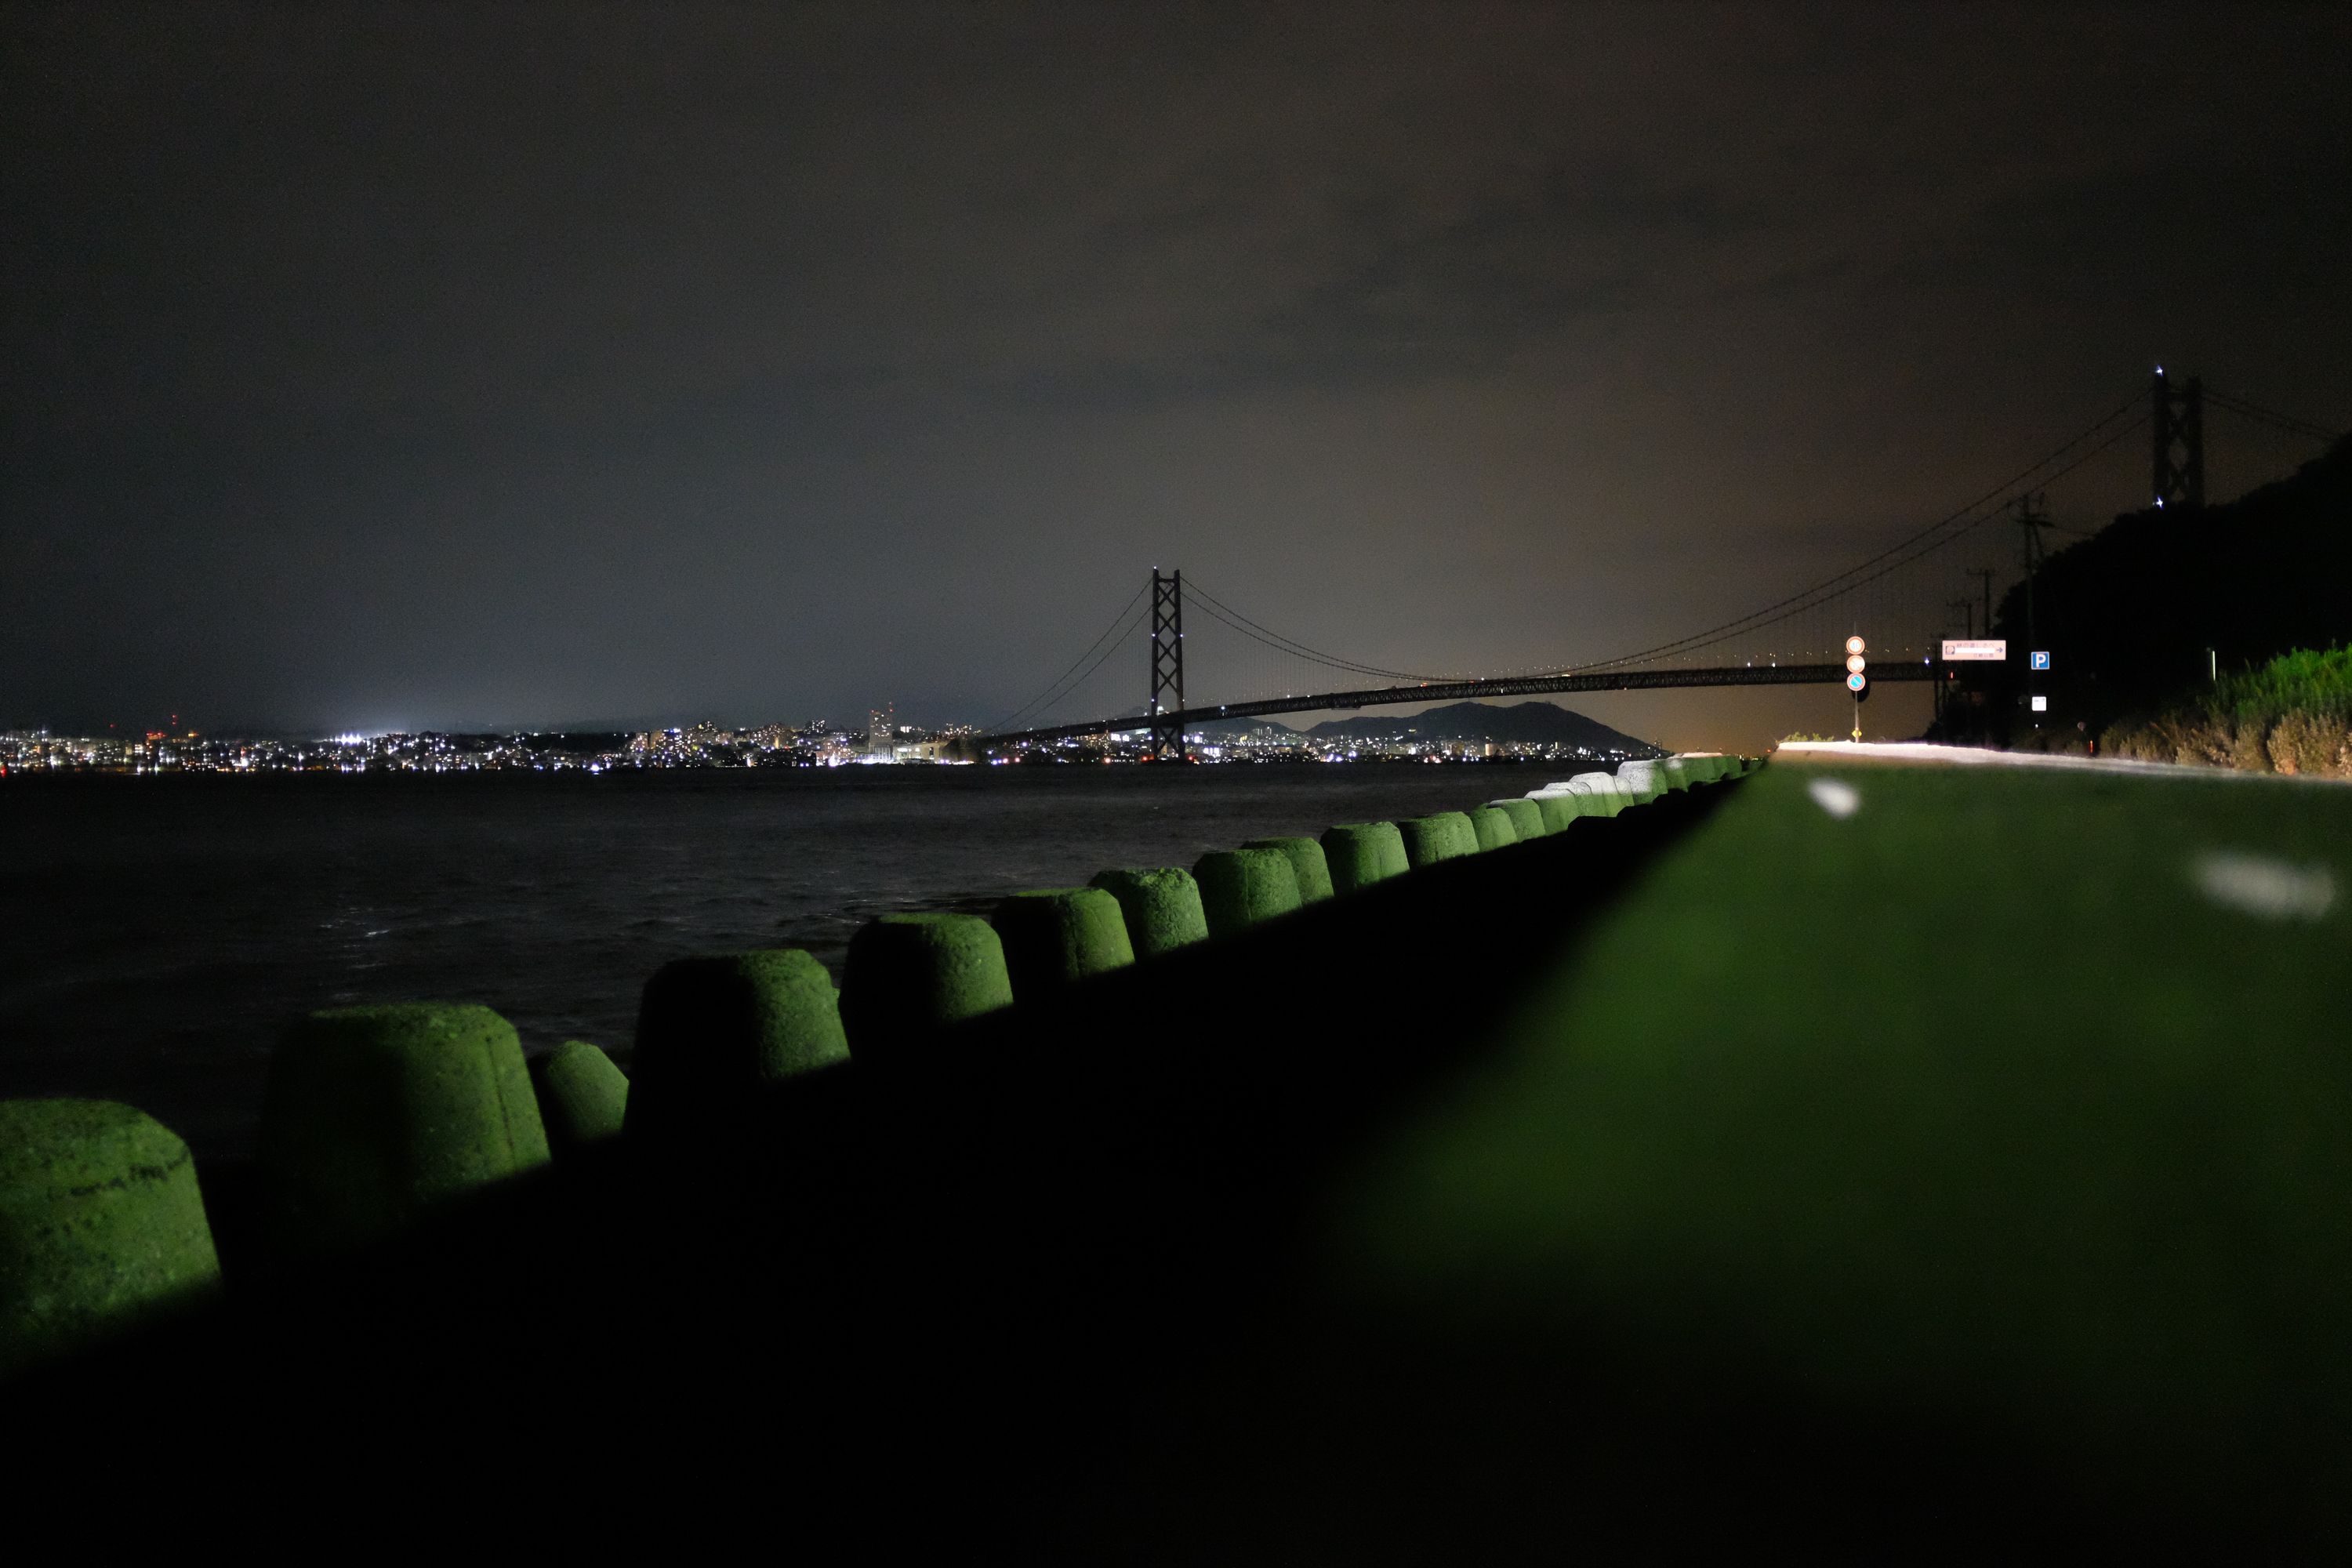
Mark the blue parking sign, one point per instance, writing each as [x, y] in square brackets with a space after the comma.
[2040, 661]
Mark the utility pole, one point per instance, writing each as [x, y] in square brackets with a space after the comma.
[1167, 665]
[1984, 573]
[2177, 422]
[1967, 609]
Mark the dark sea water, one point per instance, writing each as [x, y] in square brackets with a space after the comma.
[161, 931]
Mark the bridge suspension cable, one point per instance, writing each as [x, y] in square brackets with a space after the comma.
[1257, 632]
[1063, 686]
[1936, 535]
[1856, 585]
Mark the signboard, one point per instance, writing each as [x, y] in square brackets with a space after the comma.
[1855, 664]
[2040, 704]
[1965, 650]
[1853, 644]
[2040, 661]
[1856, 682]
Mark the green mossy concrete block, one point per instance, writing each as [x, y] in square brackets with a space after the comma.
[1442, 836]
[1682, 772]
[1055, 937]
[1642, 782]
[583, 1096]
[1162, 906]
[373, 1114]
[1492, 826]
[1241, 888]
[1526, 818]
[1597, 799]
[101, 1226]
[910, 975]
[1307, 863]
[716, 1029]
[1558, 811]
[1359, 854]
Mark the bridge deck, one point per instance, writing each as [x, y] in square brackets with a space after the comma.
[1468, 691]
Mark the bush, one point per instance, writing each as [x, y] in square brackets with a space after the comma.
[2291, 715]
[2314, 744]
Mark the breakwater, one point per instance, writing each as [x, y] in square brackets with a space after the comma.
[181, 923]
[1004, 1138]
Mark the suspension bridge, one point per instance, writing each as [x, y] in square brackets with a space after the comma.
[1800, 639]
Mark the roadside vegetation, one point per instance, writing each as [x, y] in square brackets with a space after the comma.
[2291, 715]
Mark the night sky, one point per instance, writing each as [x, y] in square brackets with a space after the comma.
[377, 367]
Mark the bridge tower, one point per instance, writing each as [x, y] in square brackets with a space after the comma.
[2178, 419]
[1167, 665]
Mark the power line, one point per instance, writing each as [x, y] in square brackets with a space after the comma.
[1999, 492]
[1928, 548]
[2286, 421]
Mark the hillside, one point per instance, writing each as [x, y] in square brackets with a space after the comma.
[1522, 723]
[2130, 614]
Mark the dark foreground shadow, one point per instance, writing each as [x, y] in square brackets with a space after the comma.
[1044, 1293]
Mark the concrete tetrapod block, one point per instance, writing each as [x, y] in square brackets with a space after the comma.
[1161, 905]
[101, 1226]
[1679, 773]
[1559, 809]
[1242, 887]
[373, 1114]
[910, 975]
[1618, 792]
[1493, 827]
[1442, 836]
[716, 1029]
[1307, 863]
[1526, 818]
[1359, 854]
[583, 1096]
[1055, 937]
[1597, 794]
[1641, 780]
